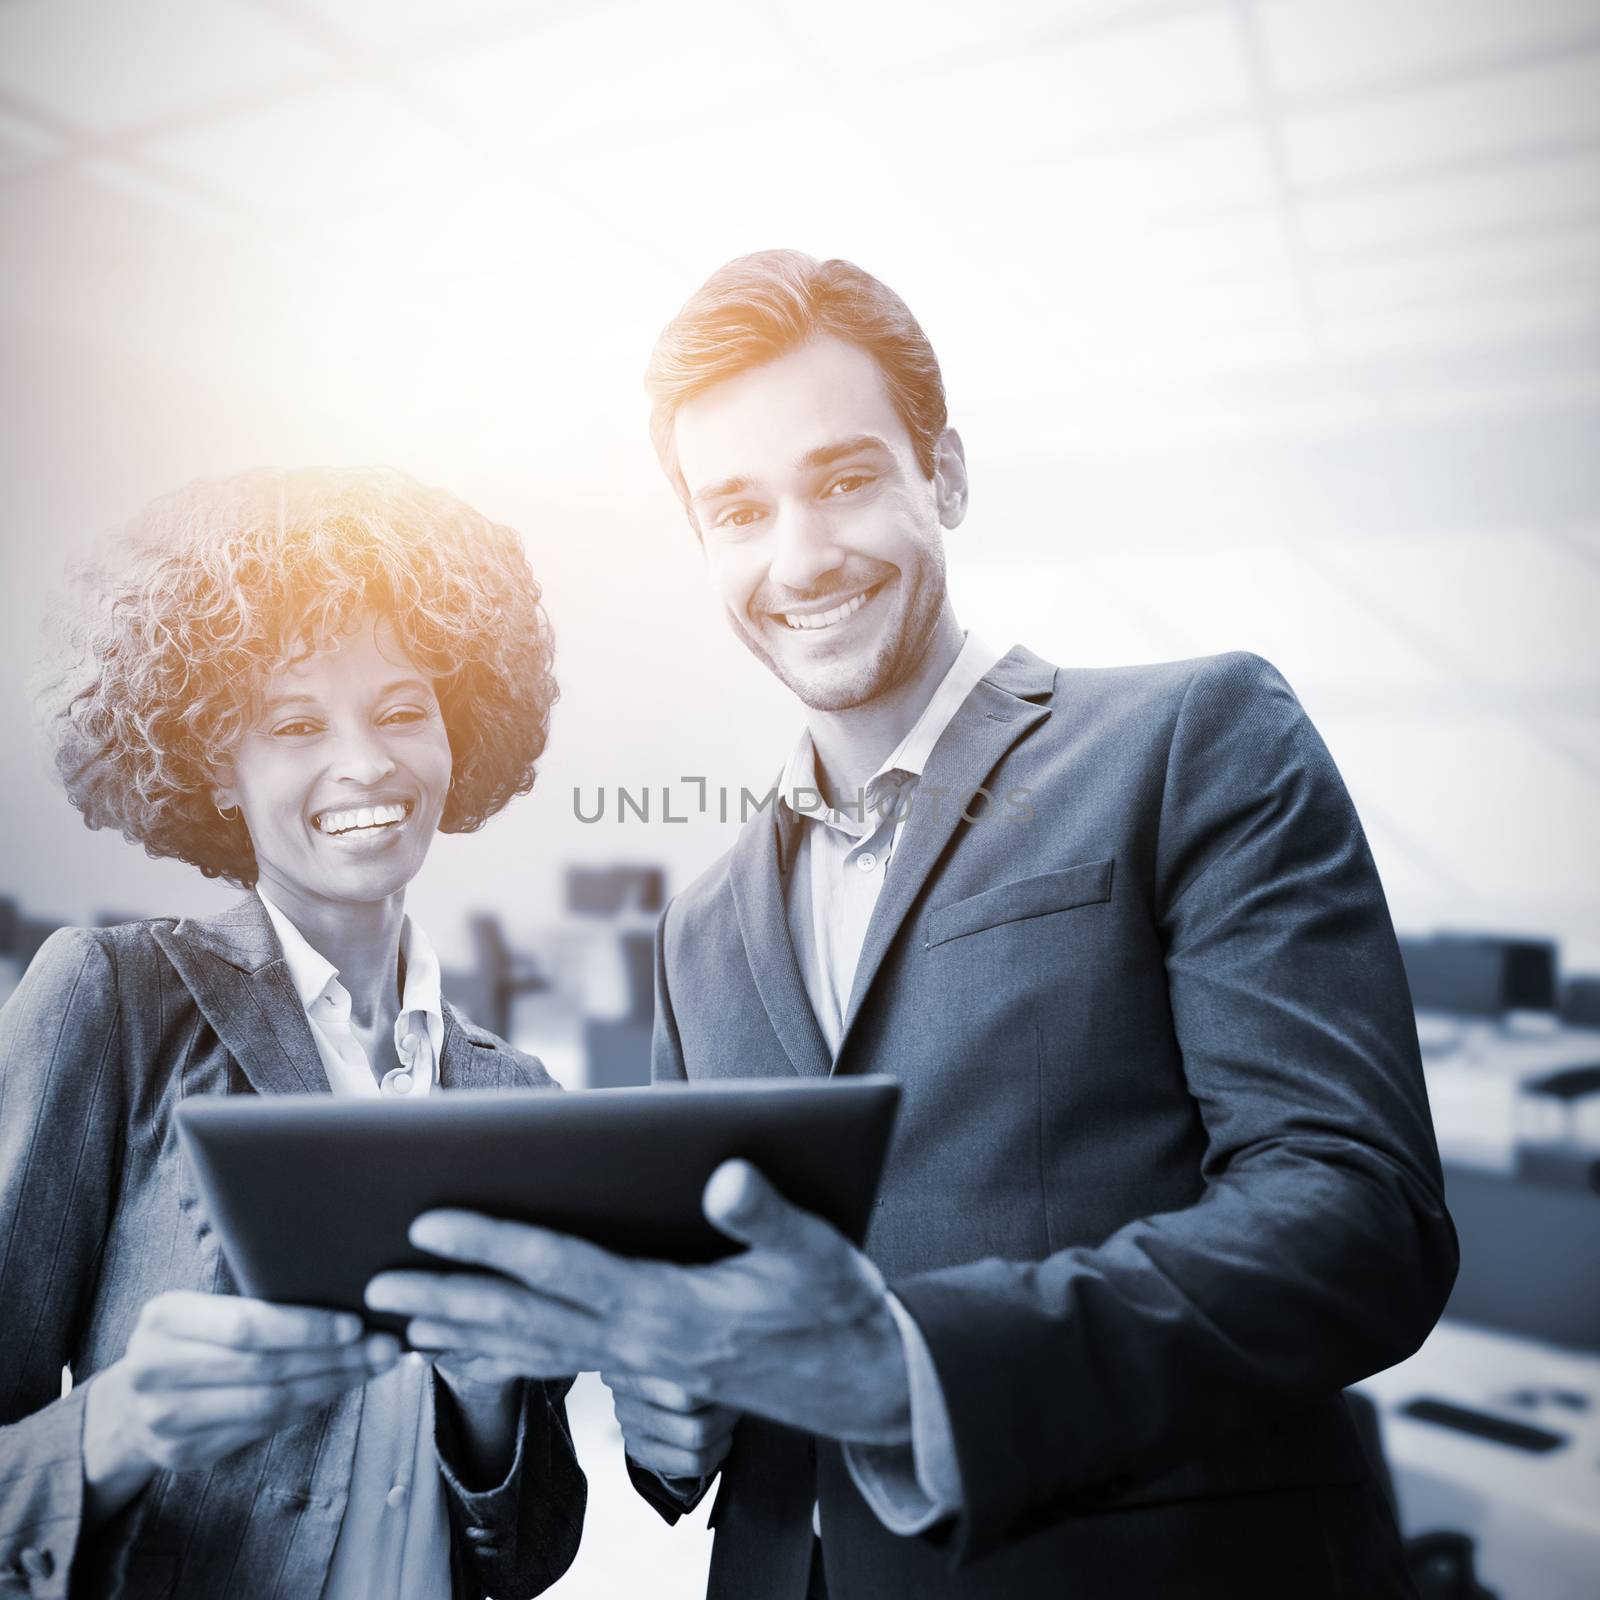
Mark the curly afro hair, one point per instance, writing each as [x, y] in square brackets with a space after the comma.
[214, 586]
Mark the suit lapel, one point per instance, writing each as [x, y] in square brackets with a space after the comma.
[235, 970]
[764, 926]
[999, 711]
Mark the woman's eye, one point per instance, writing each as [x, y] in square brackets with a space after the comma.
[402, 715]
[296, 729]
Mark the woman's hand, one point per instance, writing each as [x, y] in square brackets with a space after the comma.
[205, 1375]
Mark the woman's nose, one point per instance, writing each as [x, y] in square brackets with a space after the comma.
[362, 759]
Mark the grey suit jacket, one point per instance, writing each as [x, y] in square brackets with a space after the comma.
[1164, 1178]
[108, 1031]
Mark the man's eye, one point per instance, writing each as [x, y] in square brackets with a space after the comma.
[848, 485]
[739, 517]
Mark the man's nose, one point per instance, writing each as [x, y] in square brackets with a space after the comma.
[361, 758]
[806, 550]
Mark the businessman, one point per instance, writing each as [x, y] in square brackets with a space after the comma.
[1164, 1179]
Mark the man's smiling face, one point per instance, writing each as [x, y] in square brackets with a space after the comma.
[822, 533]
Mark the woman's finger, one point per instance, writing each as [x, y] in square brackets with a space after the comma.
[256, 1408]
[244, 1324]
[190, 1364]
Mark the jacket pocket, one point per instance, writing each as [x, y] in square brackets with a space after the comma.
[1085, 885]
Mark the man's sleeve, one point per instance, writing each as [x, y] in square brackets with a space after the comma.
[671, 1497]
[61, 1131]
[910, 1487]
[1320, 1251]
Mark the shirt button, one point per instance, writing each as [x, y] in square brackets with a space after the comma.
[396, 1082]
[397, 1496]
[867, 861]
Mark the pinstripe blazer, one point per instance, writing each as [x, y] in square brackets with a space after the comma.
[107, 1032]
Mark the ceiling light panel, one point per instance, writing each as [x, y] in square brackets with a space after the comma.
[109, 68]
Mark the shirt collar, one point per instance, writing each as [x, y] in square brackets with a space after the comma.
[911, 755]
[313, 975]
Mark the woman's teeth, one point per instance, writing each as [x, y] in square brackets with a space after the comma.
[826, 619]
[372, 817]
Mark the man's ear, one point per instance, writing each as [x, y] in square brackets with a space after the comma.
[950, 479]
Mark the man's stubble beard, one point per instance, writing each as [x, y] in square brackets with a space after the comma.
[895, 660]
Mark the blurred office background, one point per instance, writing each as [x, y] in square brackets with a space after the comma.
[1269, 324]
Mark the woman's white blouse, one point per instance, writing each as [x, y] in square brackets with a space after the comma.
[394, 1541]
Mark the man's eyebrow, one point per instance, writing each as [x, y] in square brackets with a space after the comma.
[826, 454]
[722, 487]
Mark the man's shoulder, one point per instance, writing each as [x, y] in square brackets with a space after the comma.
[1159, 681]
[1152, 695]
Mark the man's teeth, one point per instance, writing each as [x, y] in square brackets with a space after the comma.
[826, 619]
[360, 817]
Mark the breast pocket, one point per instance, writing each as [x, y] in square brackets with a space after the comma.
[1040, 896]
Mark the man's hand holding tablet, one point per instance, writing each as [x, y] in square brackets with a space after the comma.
[796, 1327]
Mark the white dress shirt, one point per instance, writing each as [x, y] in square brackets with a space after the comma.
[841, 860]
[394, 1541]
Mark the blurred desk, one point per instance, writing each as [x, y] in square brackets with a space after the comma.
[1476, 1071]
[1534, 1512]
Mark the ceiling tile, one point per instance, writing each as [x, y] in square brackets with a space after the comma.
[1090, 92]
[384, 25]
[1512, 610]
[1269, 600]
[488, 224]
[1431, 127]
[1500, 812]
[1455, 209]
[22, 142]
[106, 68]
[1483, 321]
[1204, 173]
[318, 152]
[1566, 260]
[1320, 45]
[875, 41]
[616, 74]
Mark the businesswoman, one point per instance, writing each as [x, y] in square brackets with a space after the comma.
[290, 681]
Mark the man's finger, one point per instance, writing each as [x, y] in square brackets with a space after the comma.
[531, 1358]
[700, 1430]
[247, 1324]
[741, 1203]
[553, 1263]
[656, 1391]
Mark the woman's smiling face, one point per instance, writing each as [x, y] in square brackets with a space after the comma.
[342, 773]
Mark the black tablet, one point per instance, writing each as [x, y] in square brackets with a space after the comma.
[312, 1195]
